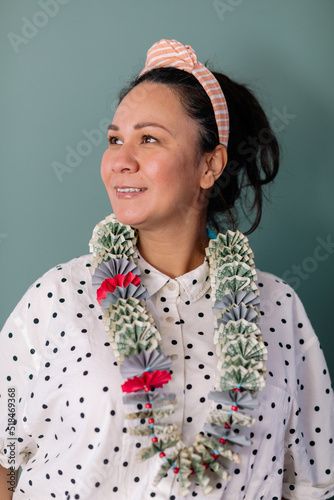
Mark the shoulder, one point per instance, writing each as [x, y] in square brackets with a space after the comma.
[274, 290]
[53, 287]
[51, 302]
[269, 281]
[275, 293]
[76, 266]
[66, 272]
[282, 311]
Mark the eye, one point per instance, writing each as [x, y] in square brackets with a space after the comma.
[114, 140]
[149, 139]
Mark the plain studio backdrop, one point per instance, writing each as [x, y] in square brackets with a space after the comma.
[63, 63]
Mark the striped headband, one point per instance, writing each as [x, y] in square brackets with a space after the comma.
[171, 53]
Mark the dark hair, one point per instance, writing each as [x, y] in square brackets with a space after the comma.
[253, 151]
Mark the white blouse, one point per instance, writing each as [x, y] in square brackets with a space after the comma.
[70, 434]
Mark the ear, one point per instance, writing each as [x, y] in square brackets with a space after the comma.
[213, 166]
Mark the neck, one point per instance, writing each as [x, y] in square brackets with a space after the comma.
[174, 253]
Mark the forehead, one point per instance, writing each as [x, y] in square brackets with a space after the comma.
[153, 99]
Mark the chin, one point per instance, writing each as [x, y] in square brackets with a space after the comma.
[129, 218]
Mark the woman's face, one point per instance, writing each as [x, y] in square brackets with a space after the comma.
[151, 169]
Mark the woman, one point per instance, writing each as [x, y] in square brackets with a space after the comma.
[156, 377]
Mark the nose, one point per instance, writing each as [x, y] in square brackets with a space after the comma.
[123, 159]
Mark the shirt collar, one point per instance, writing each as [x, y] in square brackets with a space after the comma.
[193, 285]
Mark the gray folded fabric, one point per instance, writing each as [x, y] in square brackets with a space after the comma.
[219, 431]
[138, 292]
[244, 399]
[239, 312]
[248, 298]
[136, 364]
[109, 269]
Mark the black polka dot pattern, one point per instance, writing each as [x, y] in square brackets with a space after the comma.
[70, 424]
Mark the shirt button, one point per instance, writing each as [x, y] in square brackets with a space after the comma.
[172, 285]
[170, 319]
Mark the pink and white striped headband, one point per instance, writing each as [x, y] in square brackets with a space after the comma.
[171, 53]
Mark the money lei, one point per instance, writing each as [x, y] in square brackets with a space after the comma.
[136, 343]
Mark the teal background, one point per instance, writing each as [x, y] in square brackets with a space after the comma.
[65, 77]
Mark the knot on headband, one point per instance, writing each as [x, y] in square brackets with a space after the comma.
[171, 53]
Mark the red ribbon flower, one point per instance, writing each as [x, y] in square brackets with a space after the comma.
[121, 280]
[147, 381]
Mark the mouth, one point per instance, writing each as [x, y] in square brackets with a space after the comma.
[129, 190]
[128, 193]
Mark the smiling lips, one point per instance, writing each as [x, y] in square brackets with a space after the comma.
[129, 190]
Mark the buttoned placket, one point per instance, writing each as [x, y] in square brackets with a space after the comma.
[166, 301]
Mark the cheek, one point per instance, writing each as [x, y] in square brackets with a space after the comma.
[166, 180]
[180, 174]
[169, 170]
[104, 167]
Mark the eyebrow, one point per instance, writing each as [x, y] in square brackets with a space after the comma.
[141, 125]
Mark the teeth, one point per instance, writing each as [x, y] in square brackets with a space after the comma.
[129, 190]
